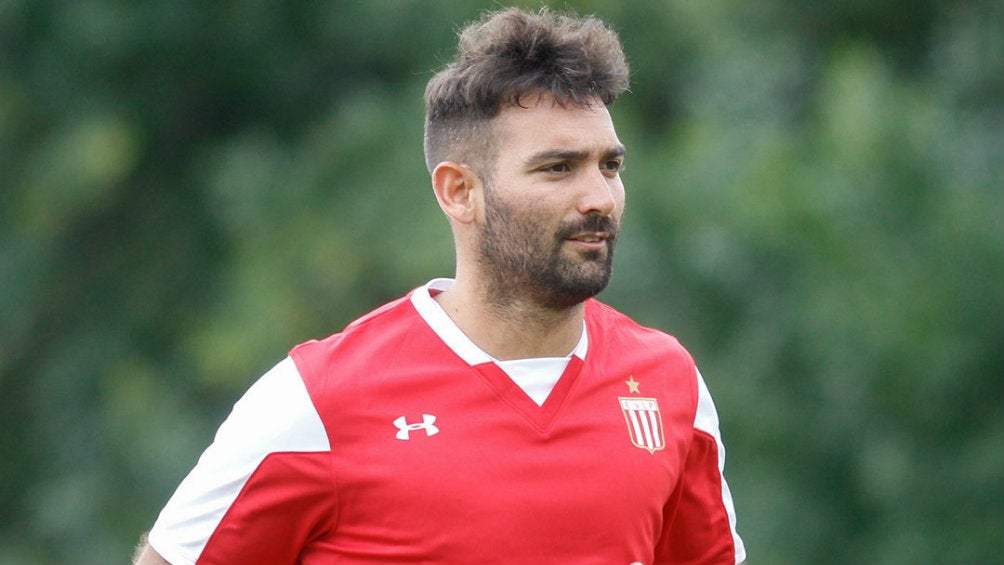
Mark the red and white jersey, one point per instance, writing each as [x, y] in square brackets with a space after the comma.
[399, 441]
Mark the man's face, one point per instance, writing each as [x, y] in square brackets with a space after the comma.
[553, 205]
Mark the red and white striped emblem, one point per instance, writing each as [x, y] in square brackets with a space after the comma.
[644, 423]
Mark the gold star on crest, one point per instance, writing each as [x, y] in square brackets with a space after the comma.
[632, 384]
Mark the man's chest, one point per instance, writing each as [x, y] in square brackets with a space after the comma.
[459, 451]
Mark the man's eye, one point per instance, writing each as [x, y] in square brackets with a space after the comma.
[614, 166]
[557, 168]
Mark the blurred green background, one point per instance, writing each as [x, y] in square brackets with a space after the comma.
[815, 208]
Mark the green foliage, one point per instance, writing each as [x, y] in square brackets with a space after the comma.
[815, 208]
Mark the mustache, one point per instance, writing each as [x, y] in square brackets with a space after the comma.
[590, 224]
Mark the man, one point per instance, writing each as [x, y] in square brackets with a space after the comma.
[504, 416]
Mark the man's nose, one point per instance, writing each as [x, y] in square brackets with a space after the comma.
[599, 194]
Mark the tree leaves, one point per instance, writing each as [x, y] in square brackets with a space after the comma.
[814, 204]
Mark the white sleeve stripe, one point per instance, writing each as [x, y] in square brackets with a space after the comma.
[706, 420]
[274, 415]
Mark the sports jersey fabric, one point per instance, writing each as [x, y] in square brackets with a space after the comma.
[397, 440]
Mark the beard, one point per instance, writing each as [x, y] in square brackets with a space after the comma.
[522, 260]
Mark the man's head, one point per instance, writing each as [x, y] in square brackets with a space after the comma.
[525, 159]
[504, 59]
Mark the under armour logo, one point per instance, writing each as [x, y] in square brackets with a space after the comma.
[404, 428]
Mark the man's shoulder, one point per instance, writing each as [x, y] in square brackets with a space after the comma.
[603, 318]
[390, 312]
[379, 326]
[623, 344]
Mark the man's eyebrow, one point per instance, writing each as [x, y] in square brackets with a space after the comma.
[617, 151]
[572, 155]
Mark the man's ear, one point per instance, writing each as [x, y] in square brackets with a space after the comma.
[456, 187]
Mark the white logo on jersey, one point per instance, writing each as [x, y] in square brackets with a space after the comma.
[404, 428]
[644, 423]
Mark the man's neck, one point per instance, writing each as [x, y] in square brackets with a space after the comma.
[515, 330]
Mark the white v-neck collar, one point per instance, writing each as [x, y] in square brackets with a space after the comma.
[455, 339]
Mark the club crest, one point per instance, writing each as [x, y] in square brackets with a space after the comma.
[644, 423]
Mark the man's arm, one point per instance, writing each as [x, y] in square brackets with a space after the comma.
[146, 555]
[268, 470]
[700, 518]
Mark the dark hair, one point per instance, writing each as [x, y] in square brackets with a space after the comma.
[511, 54]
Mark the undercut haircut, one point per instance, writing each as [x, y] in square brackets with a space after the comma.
[509, 56]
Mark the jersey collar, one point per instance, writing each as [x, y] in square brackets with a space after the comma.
[443, 325]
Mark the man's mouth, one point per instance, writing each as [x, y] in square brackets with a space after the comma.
[596, 232]
[589, 238]
[594, 241]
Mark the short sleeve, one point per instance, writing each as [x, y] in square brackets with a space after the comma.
[700, 519]
[261, 490]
